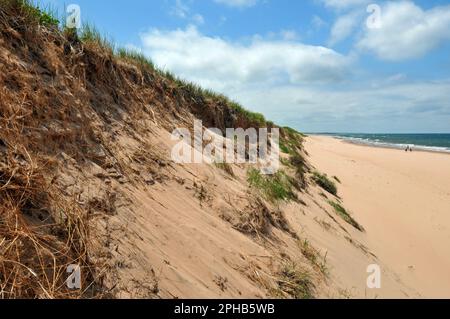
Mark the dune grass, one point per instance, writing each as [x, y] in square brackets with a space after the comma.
[342, 212]
[32, 13]
[314, 256]
[296, 282]
[291, 141]
[324, 182]
[275, 188]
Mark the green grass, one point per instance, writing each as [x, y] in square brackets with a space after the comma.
[284, 148]
[342, 212]
[324, 182]
[136, 57]
[46, 16]
[254, 118]
[298, 162]
[275, 188]
[90, 34]
[337, 179]
[314, 256]
[291, 141]
[296, 282]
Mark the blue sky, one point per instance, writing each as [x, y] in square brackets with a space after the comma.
[316, 65]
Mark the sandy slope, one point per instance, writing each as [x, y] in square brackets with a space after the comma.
[403, 201]
[167, 243]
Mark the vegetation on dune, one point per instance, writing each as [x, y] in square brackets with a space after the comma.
[337, 179]
[296, 282]
[291, 141]
[42, 229]
[277, 187]
[91, 35]
[342, 212]
[43, 16]
[226, 167]
[324, 182]
[313, 255]
[298, 162]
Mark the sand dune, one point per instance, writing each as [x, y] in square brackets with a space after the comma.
[403, 201]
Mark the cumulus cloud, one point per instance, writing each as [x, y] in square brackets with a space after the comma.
[344, 27]
[407, 31]
[221, 64]
[401, 107]
[237, 3]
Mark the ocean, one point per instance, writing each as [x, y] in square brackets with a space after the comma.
[424, 142]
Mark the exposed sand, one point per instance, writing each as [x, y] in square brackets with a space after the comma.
[403, 201]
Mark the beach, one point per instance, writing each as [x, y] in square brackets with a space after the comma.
[402, 200]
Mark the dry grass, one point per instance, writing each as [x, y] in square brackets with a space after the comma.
[41, 231]
[41, 234]
[318, 261]
[226, 168]
[295, 282]
[258, 221]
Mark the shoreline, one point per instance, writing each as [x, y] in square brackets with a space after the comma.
[419, 148]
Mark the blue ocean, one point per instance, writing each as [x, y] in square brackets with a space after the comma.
[425, 142]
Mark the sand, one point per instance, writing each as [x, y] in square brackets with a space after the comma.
[403, 201]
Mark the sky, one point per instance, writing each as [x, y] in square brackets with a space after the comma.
[355, 66]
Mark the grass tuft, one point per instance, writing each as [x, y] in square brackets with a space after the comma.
[31, 11]
[136, 57]
[296, 282]
[341, 211]
[90, 34]
[275, 188]
[314, 256]
[226, 168]
[324, 182]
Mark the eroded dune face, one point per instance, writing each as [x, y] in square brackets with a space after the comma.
[87, 179]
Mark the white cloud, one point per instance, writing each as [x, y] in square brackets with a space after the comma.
[344, 27]
[198, 19]
[289, 35]
[238, 3]
[344, 4]
[403, 107]
[317, 22]
[407, 31]
[182, 11]
[223, 65]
